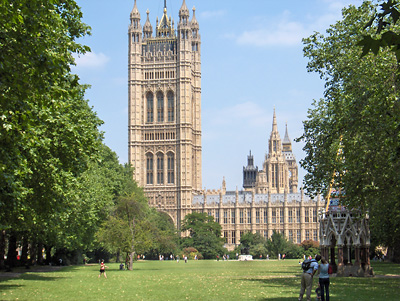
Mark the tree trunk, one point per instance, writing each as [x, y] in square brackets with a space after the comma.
[32, 253]
[2, 248]
[40, 253]
[12, 251]
[131, 260]
[48, 254]
[24, 253]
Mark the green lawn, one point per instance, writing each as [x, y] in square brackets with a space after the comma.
[196, 280]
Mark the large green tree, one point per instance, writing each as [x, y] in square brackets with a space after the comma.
[352, 135]
[48, 133]
[204, 234]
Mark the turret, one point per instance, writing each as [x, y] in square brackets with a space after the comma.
[286, 143]
[275, 139]
[135, 29]
[147, 28]
[183, 15]
[249, 173]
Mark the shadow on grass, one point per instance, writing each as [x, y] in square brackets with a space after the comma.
[37, 277]
[6, 287]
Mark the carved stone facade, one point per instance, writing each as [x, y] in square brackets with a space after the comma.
[165, 141]
[165, 110]
[292, 214]
[348, 232]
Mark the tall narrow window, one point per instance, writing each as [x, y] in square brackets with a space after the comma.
[241, 213]
[170, 166]
[248, 216]
[281, 216]
[274, 216]
[149, 169]
[150, 107]
[160, 107]
[306, 216]
[233, 217]
[225, 216]
[160, 169]
[257, 216]
[315, 215]
[170, 97]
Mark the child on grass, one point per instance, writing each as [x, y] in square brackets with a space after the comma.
[318, 292]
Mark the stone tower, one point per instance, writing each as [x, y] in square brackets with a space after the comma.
[249, 173]
[280, 171]
[165, 110]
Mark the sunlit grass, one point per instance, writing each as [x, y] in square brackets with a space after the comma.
[196, 280]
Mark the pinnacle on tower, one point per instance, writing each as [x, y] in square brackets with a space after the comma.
[274, 124]
[286, 139]
[194, 22]
[183, 13]
[135, 12]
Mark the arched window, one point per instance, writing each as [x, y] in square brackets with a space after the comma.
[149, 169]
[160, 107]
[160, 168]
[150, 107]
[170, 168]
[170, 97]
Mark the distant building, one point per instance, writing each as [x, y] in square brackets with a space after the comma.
[269, 200]
[165, 141]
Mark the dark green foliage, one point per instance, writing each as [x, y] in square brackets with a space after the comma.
[385, 35]
[204, 234]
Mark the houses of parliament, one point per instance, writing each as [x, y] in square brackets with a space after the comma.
[164, 89]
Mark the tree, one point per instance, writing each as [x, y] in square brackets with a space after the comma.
[204, 234]
[352, 135]
[254, 244]
[384, 36]
[48, 132]
[277, 244]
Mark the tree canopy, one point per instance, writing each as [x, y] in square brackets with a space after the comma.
[352, 134]
[204, 234]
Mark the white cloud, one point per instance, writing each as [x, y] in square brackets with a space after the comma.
[211, 14]
[91, 60]
[283, 31]
[248, 113]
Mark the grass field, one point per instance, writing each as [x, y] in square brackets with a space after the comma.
[196, 280]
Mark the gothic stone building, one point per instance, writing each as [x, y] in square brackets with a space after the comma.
[165, 141]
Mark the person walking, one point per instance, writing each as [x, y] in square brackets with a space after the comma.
[103, 269]
[307, 278]
[324, 279]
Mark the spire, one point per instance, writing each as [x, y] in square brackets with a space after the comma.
[135, 12]
[274, 124]
[194, 22]
[147, 28]
[286, 139]
[183, 13]
[164, 28]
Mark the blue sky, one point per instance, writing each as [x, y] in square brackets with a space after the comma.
[252, 61]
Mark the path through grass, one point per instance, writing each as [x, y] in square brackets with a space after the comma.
[196, 280]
